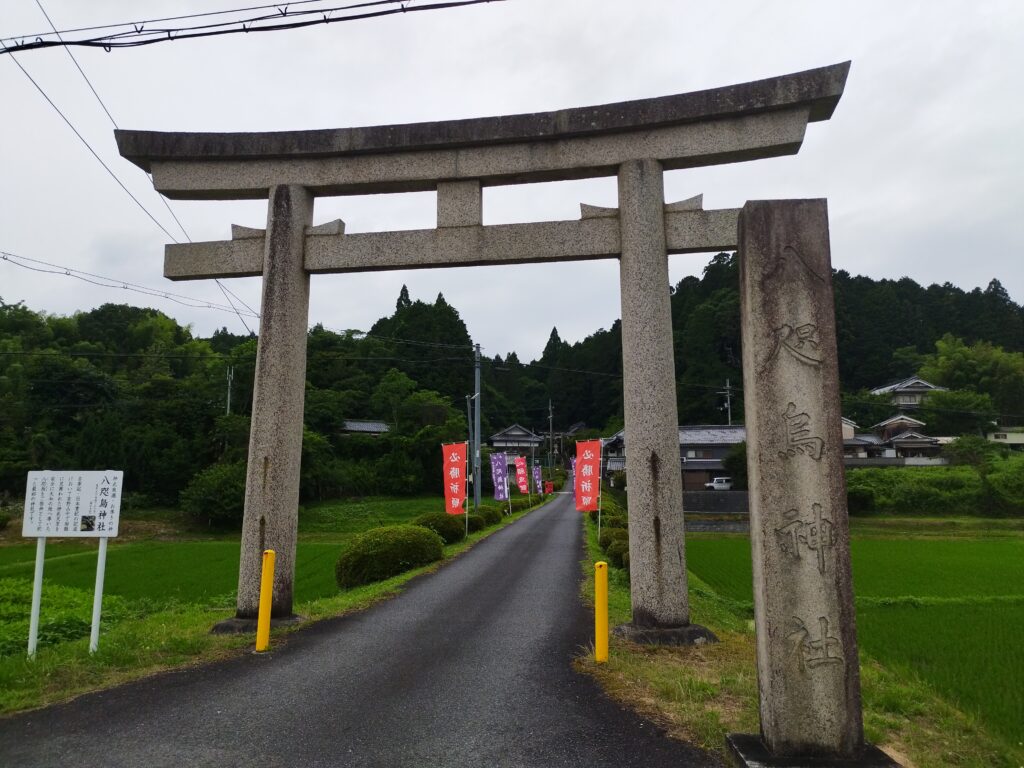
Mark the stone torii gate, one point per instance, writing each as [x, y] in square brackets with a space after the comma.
[635, 141]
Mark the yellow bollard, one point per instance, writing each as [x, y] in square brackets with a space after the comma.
[266, 599]
[600, 612]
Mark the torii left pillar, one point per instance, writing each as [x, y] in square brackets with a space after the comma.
[275, 439]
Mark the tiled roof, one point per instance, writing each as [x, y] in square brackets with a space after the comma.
[910, 435]
[515, 431]
[913, 383]
[703, 434]
[898, 418]
[361, 425]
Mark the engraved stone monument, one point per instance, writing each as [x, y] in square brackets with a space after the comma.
[808, 670]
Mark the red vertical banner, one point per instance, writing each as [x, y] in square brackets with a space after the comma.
[587, 481]
[454, 477]
[522, 479]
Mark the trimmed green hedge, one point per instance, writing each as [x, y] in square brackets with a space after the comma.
[381, 553]
[490, 515]
[451, 528]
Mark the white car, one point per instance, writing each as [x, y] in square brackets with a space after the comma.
[719, 484]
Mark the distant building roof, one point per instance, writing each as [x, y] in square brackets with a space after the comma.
[517, 432]
[898, 418]
[712, 434]
[863, 440]
[913, 437]
[697, 434]
[365, 426]
[913, 384]
[851, 422]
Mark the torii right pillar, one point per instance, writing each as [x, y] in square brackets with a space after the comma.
[807, 664]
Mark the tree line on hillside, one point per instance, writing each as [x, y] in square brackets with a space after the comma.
[129, 388]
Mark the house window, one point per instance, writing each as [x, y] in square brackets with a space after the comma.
[999, 436]
[700, 453]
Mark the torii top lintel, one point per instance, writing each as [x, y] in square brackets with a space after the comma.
[764, 118]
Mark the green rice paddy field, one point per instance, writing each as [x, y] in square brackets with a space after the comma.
[950, 611]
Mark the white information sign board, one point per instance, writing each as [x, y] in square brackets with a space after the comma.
[65, 504]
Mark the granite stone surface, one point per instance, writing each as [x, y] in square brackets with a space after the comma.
[459, 204]
[687, 145]
[817, 90]
[275, 438]
[593, 237]
[808, 670]
[656, 547]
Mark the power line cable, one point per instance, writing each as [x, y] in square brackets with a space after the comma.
[200, 15]
[113, 122]
[110, 282]
[93, 151]
[139, 35]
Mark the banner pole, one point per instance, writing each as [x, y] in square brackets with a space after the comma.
[600, 496]
[97, 597]
[466, 482]
[508, 495]
[37, 594]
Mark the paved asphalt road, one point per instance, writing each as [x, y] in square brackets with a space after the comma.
[470, 666]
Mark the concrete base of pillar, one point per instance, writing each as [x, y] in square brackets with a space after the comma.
[688, 634]
[239, 626]
[748, 751]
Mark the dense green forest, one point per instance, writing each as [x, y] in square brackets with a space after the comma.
[129, 388]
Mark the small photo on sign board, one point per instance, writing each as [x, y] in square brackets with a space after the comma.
[72, 504]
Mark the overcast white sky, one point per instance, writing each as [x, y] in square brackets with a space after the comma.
[922, 162]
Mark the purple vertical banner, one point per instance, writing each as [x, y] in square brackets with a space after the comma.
[499, 474]
[572, 471]
[537, 482]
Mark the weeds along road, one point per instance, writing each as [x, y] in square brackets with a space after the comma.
[470, 666]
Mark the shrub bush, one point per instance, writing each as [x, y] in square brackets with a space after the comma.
[490, 515]
[381, 553]
[518, 505]
[608, 535]
[860, 500]
[5, 519]
[476, 523]
[618, 553]
[955, 490]
[1007, 484]
[451, 528]
[216, 496]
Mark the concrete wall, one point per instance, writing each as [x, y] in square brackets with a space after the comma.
[715, 502]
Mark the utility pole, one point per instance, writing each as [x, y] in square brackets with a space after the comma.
[728, 399]
[551, 440]
[476, 432]
[231, 378]
[469, 442]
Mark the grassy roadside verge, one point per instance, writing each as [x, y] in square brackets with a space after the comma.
[175, 637]
[701, 693]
